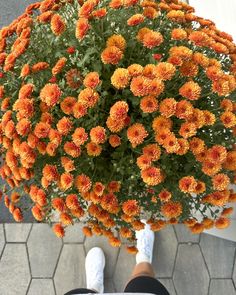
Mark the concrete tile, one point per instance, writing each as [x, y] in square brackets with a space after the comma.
[2, 238]
[168, 283]
[44, 248]
[234, 273]
[164, 252]
[110, 252]
[41, 287]
[70, 272]
[123, 270]
[219, 256]
[17, 232]
[109, 286]
[74, 234]
[184, 235]
[14, 270]
[190, 273]
[222, 286]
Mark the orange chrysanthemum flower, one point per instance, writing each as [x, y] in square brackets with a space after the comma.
[190, 90]
[187, 130]
[153, 151]
[230, 162]
[83, 183]
[23, 127]
[220, 181]
[217, 153]
[152, 39]
[72, 150]
[50, 172]
[165, 195]
[136, 134]
[167, 107]
[115, 242]
[135, 70]
[79, 110]
[64, 126]
[171, 144]
[80, 136]
[37, 213]
[72, 201]
[57, 24]
[98, 134]
[222, 223]
[42, 130]
[228, 119]
[152, 176]
[200, 187]
[91, 80]
[210, 168]
[227, 211]
[59, 66]
[110, 203]
[111, 55]
[89, 97]
[140, 86]
[115, 125]
[82, 27]
[183, 146]
[184, 109]
[227, 104]
[171, 209]
[50, 94]
[131, 208]
[178, 34]
[161, 122]
[59, 230]
[67, 105]
[66, 181]
[66, 219]
[17, 215]
[187, 184]
[120, 78]
[100, 13]
[196, 145]
[117, 41]
[67, 164]
[58, 204]
[135, 20]
[197, 228]
[114, 140]
[93, 149]
[165, 71]
[149, 104]
[119, 110]
[125, 232]
[162, 134]
[144, 161]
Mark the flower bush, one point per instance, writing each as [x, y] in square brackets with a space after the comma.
[112, 111]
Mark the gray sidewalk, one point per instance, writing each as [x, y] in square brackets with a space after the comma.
[35, 262]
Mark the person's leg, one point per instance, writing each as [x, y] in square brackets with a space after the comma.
[143, 277]
[94, 267]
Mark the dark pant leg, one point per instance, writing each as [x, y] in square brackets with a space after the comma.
[145, 284]
[80, 291]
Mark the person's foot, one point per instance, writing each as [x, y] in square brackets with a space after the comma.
[94, 267]
[145, 241]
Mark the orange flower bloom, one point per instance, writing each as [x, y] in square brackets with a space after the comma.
[26, 91]
[161, 122]
[66, 219]
[200, 187]
[111, 55]
[227, 211]
[64, 126]
[79, 136]
[230, 162]
[228, 119]
[150, 12]
[42, 130]
[86, 9]
[199, 38]
[227, 105]
[50, 172]
[110, 203]
[79, 110]
[93, 149]
[125, 232]
[210, 168]
[89, 97]
[190, 90]
[196, 145]
[98, 134]
[152, 176]
[115, 4]
[82, 27]
[115, 242]
[50, 94]
[15, 197]
[131, 208]
[83, 183]
[45, 17]
[87, 231]
[23, 127]
[25, 71]
[156, 87]
[66, 181]
[91, 80]
[72, 150]
[208, 223]
[170, 143]
[187, 130]
[220, 181]
[67, 164]
[149, 104]
[152, 39]
[41, 198]
[197, 228]
[55, 137]
[179, 34]
[162, 134]
[59, 230]
[137, 225]
[98, 188]
[114, 140]
[58, 204]
[99, 13]
[117, 41]
[72, 201]
[217, 153]
[40, 66]
[165, 195]
[144, 161]
[119, 110]
[113, 186]
[187, 184]
[183, 146]
[17, 215]
[165, 71]
[189, 69]
[171, 209]
[135, 70]
[37, 213]
[140, 86]
[153, 151]
[59, 66]
[222, 223]
[57, 24]
[136, 134]
[120, 78]
[181, 52]
[167, 107]
[135, 20]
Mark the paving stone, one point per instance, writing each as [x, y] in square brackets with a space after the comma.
[74, 234]
[17, 232]
[221, 286]
[190, 273]
[14, 270]
[184, 235]
[219, 255]
[164, 252]
[44, 248]
[123, 270]
[70, 272]
[41, 287]
[2, 239]
[110, 252]
[168, 283]
[109, 286]
[234, 274]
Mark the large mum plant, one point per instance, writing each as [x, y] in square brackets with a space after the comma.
[112, 111]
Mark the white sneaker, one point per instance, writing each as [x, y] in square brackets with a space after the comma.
[145, 241]
[94, 267]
